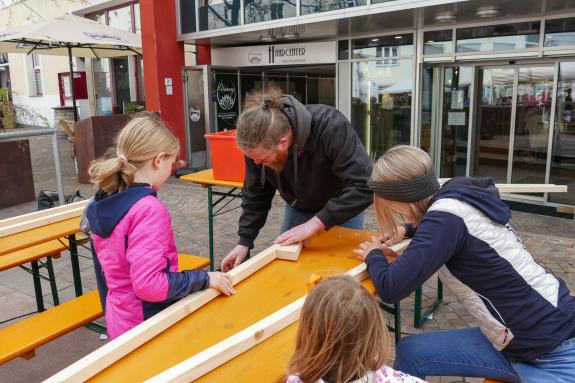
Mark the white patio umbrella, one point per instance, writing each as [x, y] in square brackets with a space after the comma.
[71, 36]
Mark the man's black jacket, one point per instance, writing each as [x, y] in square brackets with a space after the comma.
[326, 172]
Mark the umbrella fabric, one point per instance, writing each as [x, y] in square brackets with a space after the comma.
[87, 38]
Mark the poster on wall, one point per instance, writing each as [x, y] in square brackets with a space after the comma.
[227, 101]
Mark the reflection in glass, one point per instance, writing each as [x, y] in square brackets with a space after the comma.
[498, 37]
[563, 154]
[121, 18]
[428, 129]
[121, 83]
[315, 6]
[137, 20]
[455, 125]
[438, 42]
[384, 47]
[100, 17]
[533, 112]
[216, 14]
[559, 32]
[343, 50]
[381, 104]
[493, 123]
[265, 10]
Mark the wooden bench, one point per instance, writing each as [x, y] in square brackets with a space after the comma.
[22, 338]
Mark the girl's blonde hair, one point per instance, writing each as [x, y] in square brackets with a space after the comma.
[342, 334]
[400, 163]
[143, 138]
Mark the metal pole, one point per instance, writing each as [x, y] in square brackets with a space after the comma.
[56, 150]
[72, 87]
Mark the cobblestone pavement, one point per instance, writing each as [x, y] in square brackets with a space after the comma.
[551, 241]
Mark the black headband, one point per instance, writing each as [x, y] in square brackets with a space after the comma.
[412, 190]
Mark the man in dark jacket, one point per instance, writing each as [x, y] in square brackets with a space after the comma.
[312, 156]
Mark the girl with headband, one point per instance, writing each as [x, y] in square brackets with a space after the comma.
[526, 316]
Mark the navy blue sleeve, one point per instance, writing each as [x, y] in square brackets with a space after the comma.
[439, 237]
[183, 283]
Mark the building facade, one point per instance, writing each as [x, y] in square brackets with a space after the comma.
[485, 87]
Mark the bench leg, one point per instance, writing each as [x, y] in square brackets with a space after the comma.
[75, 264]
[420, 317]
[396, 312]
[37, 286]
[52, 278]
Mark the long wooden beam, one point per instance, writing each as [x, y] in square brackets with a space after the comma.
[222, 352]
[41, 218]
[524, 188]
[106, 355]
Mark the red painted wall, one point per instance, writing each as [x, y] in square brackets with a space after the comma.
[163, 57]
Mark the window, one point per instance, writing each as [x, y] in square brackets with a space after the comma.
[387, 52]
[559, 32]
[498, 37]
[315, 6]
[385, 46]
[438, 42]
[37, 75]
[264, 10]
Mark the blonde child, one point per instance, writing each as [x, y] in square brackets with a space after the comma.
[461, 230]
[133, 244]
[342, 337]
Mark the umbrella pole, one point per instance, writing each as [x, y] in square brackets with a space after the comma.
[72, 87]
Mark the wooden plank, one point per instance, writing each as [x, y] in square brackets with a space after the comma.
[524, 188]
[103, 357]
[42, 213]
[289, 252]
[213, 357]
[206, 177]
[41, 221]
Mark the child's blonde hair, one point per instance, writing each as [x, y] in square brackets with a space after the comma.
[143, 138]
[400, 163]
[342, 334]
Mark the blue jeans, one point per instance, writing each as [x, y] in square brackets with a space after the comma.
[468, 353]
[294, 217]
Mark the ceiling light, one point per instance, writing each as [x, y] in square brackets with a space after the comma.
[374, 40]
[398, 37]
[486, 12]
[444, 17]
[430, 41]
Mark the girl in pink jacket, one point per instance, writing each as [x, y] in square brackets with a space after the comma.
[133, 244]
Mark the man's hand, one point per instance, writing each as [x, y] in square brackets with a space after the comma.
[234, 258]
[221, 282]
[300, 232]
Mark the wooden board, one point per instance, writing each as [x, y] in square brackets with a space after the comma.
[246, 339]
[277, 284]
[18, 224]
[42, 213]
[206, 177]
[32, 237]
[524, 188]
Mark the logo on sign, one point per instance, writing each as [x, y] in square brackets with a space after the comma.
[195, 114]
[288, 53]
[255, 57]
[226, 94]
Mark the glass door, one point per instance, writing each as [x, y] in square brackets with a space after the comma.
[532, 124]
[493, 123]
[196, 85]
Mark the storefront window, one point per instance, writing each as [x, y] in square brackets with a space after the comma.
[559, 32]
[216, 14]
[265, 10]
[343, 50]
[315, 6]
[385, 47]
[438, 42]
[121, 83]
[563, 152]
[381, 103]
[502, 37]
[121, 18]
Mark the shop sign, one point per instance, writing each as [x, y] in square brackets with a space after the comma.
[226, 97]
[276, 54]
